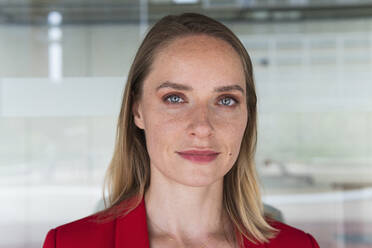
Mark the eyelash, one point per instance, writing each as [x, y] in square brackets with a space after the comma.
[165, 99]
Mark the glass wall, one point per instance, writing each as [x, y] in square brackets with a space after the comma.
[61, 81]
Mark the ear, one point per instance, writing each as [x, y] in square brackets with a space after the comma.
[137, 115]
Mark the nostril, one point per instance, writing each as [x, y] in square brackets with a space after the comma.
[202, 131]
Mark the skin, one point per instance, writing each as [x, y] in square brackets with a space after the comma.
[184, 198]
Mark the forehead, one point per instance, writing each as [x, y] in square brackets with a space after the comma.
[198, 59]
[198, 42]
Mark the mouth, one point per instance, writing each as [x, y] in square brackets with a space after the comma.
[199, 156]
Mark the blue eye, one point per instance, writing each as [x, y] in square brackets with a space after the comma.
[228, 101]
[173, 99]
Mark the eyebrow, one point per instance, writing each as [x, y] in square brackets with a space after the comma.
[177, 86]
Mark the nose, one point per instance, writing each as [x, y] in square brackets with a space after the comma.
[200, 125]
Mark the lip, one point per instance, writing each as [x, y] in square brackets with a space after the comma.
[199, 156]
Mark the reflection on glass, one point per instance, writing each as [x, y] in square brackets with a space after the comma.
[55, 47]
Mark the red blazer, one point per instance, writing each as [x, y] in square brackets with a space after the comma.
[131, 231]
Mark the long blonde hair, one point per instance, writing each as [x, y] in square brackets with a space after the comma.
[129, 172]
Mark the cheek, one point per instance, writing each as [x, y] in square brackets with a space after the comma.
[231, 132]
[163, 122]
[161, 131]
[233, 123]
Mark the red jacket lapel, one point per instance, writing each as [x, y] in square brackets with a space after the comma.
[131, 230]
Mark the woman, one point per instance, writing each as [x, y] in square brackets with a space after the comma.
[182, 174]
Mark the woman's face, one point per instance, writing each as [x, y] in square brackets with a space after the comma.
[193, 110]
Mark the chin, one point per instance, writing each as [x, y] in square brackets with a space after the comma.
[199, 182]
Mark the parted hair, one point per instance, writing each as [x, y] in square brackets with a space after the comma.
[128, 175]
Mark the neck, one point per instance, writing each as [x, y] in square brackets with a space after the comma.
[185, 212]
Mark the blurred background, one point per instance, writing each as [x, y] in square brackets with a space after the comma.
[63, 65]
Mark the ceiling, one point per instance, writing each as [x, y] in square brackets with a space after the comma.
[35, 12]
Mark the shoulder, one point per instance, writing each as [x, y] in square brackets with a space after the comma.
[89, 224]
[99, 230]
[291, 237]
[90, 231]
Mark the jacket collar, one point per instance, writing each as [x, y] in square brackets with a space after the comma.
[131, 230]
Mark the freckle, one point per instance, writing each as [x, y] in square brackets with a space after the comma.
[230, 154]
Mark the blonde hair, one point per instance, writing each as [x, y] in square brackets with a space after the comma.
[129, 172]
